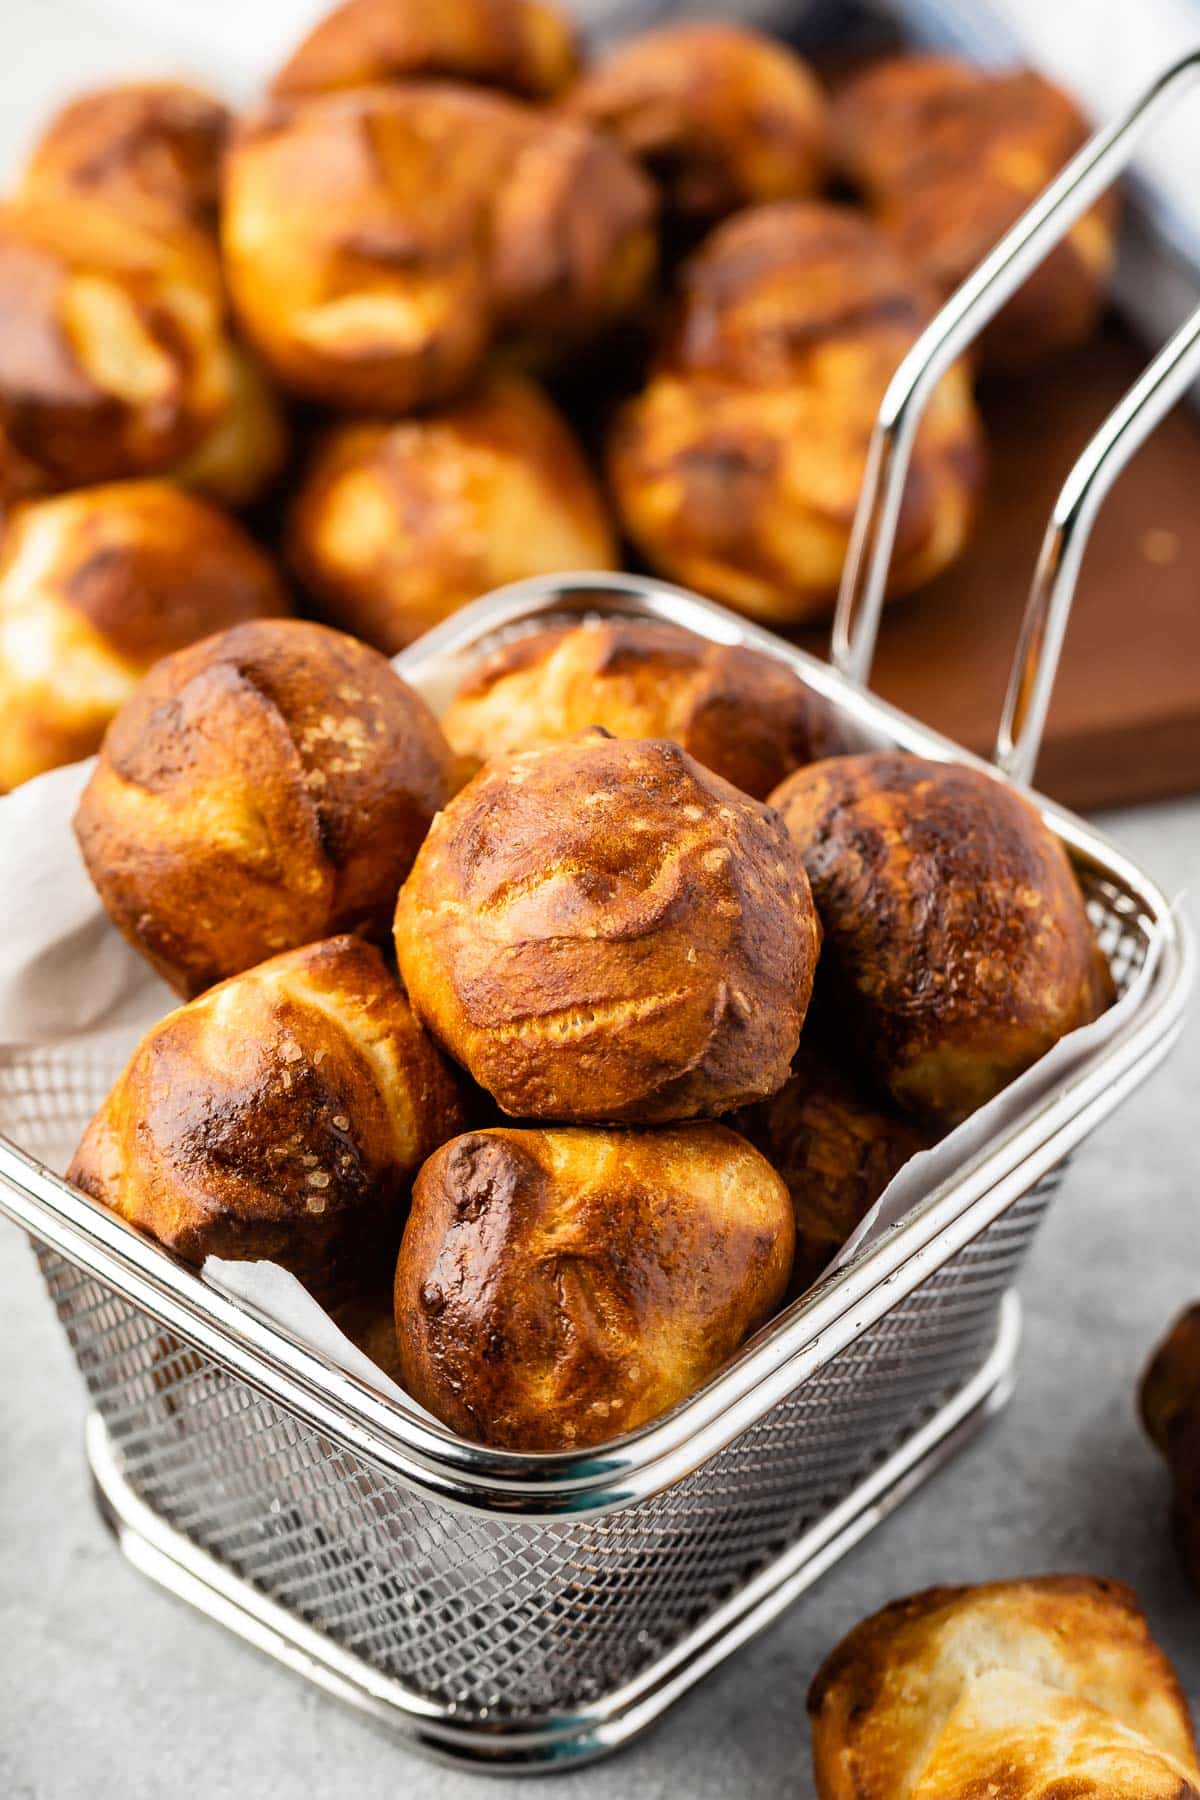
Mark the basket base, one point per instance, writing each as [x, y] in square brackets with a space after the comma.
[556, 1743]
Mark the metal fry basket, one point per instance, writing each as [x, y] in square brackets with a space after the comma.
[515, 1611]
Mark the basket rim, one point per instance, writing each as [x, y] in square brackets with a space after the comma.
[803, 1338]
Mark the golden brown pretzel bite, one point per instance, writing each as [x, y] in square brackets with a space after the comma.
[949, 156]
[604, 930]
[95, 586]
[261, 789]
[525, 46]
[559, 1287]
[742, 714]
[281, 1116]
[378, 241]
[720, 115]
[397, 524]
[954, 925]
[1030, 1690]
[738, 467]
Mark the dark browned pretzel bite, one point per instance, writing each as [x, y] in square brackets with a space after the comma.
[378, 242]
[949, 156]
[1170, 1409]
[739, 712]
[836, 1145]
[113, 355]
[398, 523]
[141, 144]
[556, 1288]
[954, 925]
[524, 46]
[720, 115]
[281, 1116]
[604, 930]
[738, 467]
[261, 789]
[1031, 1690]
[95, 586]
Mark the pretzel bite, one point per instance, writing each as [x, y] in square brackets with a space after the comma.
[1030, 1690]
[155, 144]
[949, 156]
[954, 926]
[524, 46]
[95, 586]
[604, 930]
[264, 788]
[378, 241]
[281, 1117]
[742, 714]
[721, 116]
[836, 1147]
[1170, 1408]
[244, 454]
[113, 358]
[738, 467]
[556, 1288]
[398, 524]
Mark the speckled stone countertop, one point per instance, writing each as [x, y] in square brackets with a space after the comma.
[111, 1689]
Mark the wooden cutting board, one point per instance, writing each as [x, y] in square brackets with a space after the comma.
[1125, 723]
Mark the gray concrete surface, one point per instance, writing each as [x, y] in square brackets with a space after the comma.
[108, 1688]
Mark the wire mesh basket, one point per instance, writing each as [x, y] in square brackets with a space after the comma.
[509, 1610]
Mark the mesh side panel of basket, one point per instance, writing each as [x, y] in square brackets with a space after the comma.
[511, 1618]
[488, 1616]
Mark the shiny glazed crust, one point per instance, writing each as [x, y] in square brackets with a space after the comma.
[264, 788]
[378, 241]
[155, 144]
[954, 924]
[740, 713]
[721, 116]
[1170, 1408]
[524, 46]
[738, 467]
[606, 931]
[836, 1148]
[95, 586]
[949, 156]
[1018, 1690]
[281, 1116]
[396, 525]
[113, 358]
[556, 1288]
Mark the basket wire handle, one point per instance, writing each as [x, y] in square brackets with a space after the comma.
[1044, 624]
[1003, 270]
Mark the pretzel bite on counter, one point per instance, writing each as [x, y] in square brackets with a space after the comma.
[605, 930]
[741, 713]
[836, 1147]
[95, 586]
[260, 790]
[1029, 1690]
[556, 1288]
[397, 524]
[377, 241]
[949, 156]
[1170, 1409]
[524, 46]
[738, 467]
[282, 1117]
[955, 930]
[721, 116]
[113, 357]
[154, 144]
